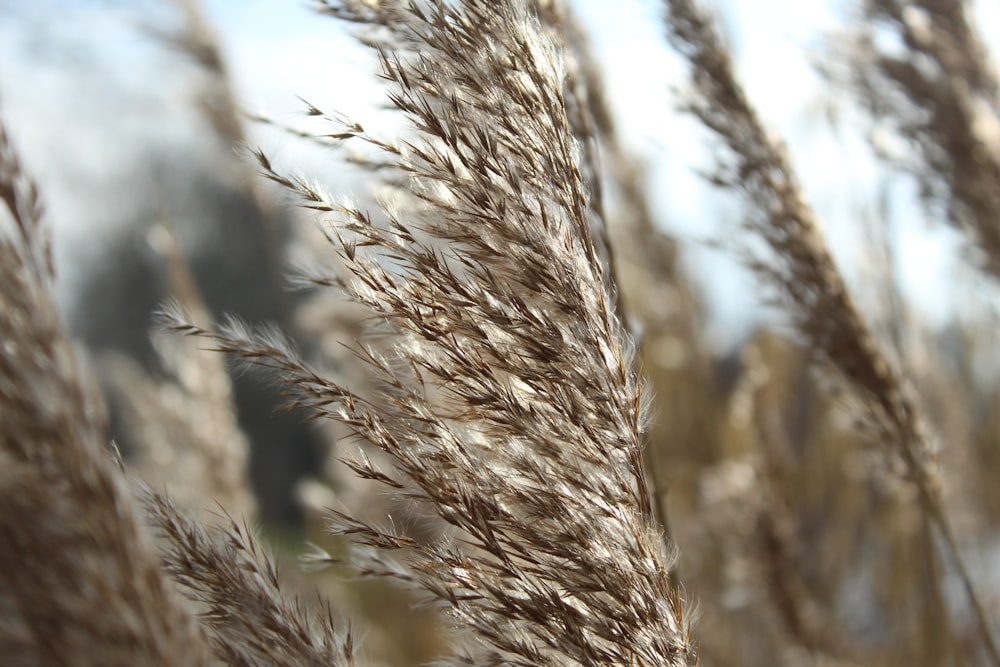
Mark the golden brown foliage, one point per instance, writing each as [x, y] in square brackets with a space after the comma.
[485, 330]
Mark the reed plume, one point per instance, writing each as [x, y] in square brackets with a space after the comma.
[509, 403]
[798, 264]
[79, 581]
[249, 616]
[937, 89]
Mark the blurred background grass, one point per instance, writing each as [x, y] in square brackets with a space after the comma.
[796, 537]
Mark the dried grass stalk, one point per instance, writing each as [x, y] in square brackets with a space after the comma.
[800, 267]
[184, 428]
[509, 404]
[250, 618]
[776, 546]
[78, 578]
[936, 88]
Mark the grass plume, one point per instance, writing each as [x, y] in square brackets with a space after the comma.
[804, 274]
[79, 579]
[510, 404]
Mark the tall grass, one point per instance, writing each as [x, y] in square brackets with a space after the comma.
[495, 397]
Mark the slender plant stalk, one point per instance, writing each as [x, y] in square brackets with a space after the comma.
[803, 271]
